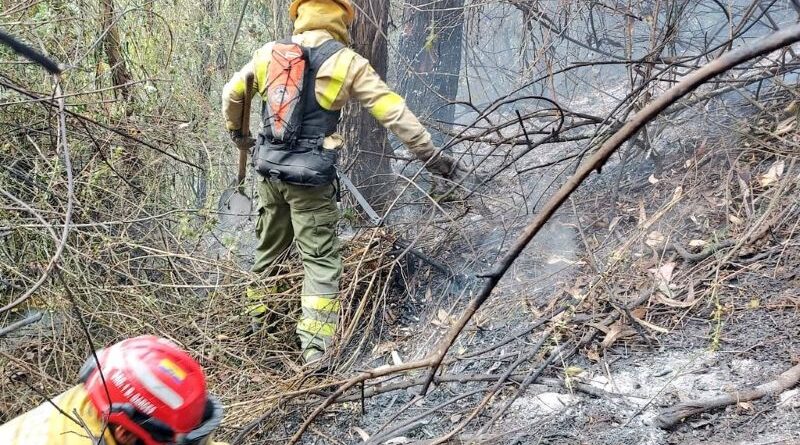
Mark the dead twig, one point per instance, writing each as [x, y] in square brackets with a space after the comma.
[597, 160]
[676, 414]
[700, 256]
[20, 324]
[62, 242]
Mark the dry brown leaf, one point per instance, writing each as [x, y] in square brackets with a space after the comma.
[747, 406]
[639, 312]
[652, 326]
[642, 214]
[396, 358]
[665, 300]
[615, 332]
[697, 243]
[614, 223]
[363, 434]
[663, 276]
[773, 174]
[655, 239]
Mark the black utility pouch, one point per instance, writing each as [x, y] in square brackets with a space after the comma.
[310, 166]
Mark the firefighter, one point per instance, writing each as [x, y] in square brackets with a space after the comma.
[146, 391]
[297, 194]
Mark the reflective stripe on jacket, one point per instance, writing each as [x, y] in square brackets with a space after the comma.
[44, 425]
[341, 77]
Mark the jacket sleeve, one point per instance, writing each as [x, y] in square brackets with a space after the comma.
[232, 98]
[389, 108]
[233, 91]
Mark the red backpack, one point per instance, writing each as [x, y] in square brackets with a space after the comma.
[285, 80]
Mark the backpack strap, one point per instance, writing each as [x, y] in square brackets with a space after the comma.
[319, 122]
[324, 52]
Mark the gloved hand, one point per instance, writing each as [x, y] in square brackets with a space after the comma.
[447, 167]
[446, 171]
[241, 141]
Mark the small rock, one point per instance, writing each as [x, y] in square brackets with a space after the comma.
[662, 373]
[790, 399]
[599, 381]
[546, 403]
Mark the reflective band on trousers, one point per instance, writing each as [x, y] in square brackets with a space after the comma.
[317, 328]
[331, 92]
[255, 295]
[320, 303]
[385, 104]
[256, 310]
[258, 293]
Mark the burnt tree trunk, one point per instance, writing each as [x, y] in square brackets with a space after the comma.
[112, 46]
[366, 154]
[207, 47]
[276, 14]
[431, 37]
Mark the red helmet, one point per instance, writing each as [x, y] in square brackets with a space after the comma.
[153, 389]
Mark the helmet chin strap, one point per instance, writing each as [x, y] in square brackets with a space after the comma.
[209, 425]
[159, 431]
[123, 437]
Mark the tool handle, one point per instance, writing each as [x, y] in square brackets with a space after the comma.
[242, 173]
[248, 99]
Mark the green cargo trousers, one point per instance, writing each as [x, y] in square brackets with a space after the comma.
[307, 215]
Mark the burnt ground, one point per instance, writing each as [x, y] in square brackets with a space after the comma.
[708, 324]
[726, 321]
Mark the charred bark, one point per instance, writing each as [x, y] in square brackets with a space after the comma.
[366, 155]
[120, 75]
[431, 42]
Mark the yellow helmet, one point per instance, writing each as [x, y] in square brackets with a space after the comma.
[346, 5]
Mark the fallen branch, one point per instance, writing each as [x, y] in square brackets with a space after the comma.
[699, 256]
[672, 416]
[20, 324]
[62, 241]
[596, 162]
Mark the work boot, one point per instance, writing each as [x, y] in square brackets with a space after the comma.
[260, 313]
[255, 325]
[315, 360]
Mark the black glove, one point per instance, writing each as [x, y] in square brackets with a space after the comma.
[243, 142]
[447, 167]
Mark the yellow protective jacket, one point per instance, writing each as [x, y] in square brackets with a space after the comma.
[45, 425]
[346, 74]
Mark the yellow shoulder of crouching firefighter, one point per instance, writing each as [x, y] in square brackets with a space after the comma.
[47, 426]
